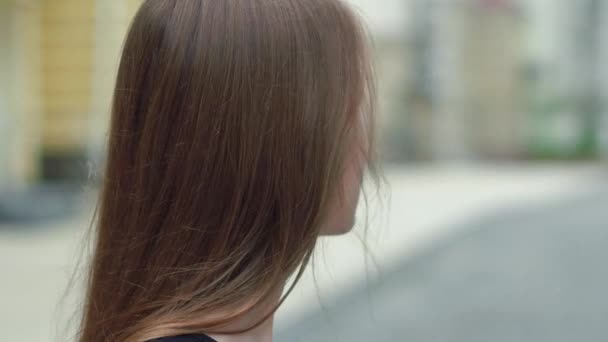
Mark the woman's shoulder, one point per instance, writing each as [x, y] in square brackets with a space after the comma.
[185, 338]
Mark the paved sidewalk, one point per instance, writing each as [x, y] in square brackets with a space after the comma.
[534, 273]
[426, 205]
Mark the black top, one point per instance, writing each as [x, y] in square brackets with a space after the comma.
[185, 338]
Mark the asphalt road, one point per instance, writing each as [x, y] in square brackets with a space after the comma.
[527, 274]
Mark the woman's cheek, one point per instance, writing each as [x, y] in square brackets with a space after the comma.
[341, 218]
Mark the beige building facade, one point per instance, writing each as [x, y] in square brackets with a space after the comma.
[57, 65]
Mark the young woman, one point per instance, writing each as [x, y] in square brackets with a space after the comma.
[240, 133]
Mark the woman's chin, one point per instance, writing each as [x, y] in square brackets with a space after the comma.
[338, 228]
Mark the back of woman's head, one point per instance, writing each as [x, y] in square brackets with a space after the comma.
[233, 124]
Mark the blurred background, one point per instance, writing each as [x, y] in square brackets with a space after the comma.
[494, 135]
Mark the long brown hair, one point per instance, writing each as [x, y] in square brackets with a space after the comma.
[231, 125]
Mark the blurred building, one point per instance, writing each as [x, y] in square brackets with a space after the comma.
[491, 82]
[57, 65]
[389, 24]
[20, 92]
[458, 79]
[463, 94]
[568, 78]
[502, 79]
[603, 75]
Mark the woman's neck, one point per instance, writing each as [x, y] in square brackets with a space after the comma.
[261, 333]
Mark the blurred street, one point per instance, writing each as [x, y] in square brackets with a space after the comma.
[518, 274]
[515, 258]
[492, 129]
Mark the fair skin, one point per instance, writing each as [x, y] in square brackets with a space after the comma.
[263, 332]
[340, 221]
